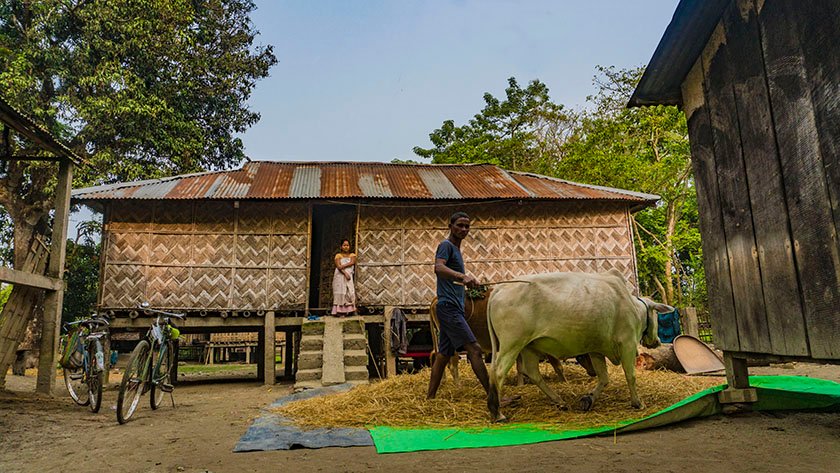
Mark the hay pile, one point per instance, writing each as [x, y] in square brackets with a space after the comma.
[400, 401]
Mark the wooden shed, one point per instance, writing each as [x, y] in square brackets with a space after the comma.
[233, 247]
[759, 81]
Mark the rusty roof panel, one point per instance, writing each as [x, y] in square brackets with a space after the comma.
[271, 179]
[374, 184]
[276, 180]
[545, 187]
[194, 186]
[405, 181]
[306, 183]
[151, 191]
[340, 181]
[439, 186]
[486, 182]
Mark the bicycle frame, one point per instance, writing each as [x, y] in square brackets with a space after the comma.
[158, 335]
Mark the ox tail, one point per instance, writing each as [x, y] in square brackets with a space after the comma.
[494, 345]
[493, 388]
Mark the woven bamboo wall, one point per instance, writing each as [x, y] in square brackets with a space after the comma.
[397, 245]
[205, 255]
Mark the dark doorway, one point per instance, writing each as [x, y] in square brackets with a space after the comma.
[330, 224]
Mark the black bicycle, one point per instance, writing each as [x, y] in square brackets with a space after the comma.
[149, 366]
[83, 360]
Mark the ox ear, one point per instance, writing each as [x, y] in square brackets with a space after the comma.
[659, 307]
[650, 337]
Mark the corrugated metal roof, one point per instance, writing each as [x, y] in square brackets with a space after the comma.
[35, 132]
[337, 180]
[678, 50]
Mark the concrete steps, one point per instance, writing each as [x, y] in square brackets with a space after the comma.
[332, 351]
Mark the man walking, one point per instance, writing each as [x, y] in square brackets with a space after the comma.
[455, 334]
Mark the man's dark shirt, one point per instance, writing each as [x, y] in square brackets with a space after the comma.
[448, 291]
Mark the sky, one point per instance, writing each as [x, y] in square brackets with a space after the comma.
[369, 80]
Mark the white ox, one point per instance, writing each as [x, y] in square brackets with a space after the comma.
[566, 315]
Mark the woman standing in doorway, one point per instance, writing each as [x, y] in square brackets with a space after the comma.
[344, 289]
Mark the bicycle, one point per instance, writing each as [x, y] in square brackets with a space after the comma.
[83, 360]
[149, 367]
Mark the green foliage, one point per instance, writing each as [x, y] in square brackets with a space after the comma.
[5, 291]
[644, 149]
[518, 133]
[640, 149]
[140, 89]
[82, 274]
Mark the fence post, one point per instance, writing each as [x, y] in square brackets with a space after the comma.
[689, 322]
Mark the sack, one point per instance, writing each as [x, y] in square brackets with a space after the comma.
[669, 326]
[73, 352]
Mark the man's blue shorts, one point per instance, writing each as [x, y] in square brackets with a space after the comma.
[454, 331]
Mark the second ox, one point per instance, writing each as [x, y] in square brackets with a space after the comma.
[476, 316]
[566, 315]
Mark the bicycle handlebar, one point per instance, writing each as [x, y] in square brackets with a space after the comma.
[91, 322]
[161, 312]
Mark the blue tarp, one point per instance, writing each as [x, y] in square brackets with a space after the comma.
[271, 431]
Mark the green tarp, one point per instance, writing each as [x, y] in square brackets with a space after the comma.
[774, 393]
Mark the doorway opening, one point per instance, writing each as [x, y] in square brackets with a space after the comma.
[331, 223]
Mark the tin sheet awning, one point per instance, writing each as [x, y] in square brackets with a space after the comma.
[35, 132]
[679, 48]
[341, 180]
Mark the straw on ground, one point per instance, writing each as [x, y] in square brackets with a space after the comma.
[400, 401]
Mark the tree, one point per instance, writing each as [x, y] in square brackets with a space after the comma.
[518, 133]
[82, 272]
[138, 88]
[644, 149]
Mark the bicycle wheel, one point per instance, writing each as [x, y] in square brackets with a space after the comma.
[74, 379]
[94, 377]
[161, 375]
[133, 381]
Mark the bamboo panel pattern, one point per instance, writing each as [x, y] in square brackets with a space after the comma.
[213, 250]
[127, 247]
[286, 288]
[170, 217]
[169, 286]
[288, 251]
[206, 255]
[507, 240]
[382, 247]
[214, 217]
[249, 287]
[171, 249]
[210, 287]
[256, 217]
[253, 251]
[419, 284]
[123, 285]
[420, 245]
[130, 215]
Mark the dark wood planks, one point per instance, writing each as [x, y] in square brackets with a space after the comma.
[733, 185]
[785, 27]
[819, 26]
[715, 258]
[783, 308]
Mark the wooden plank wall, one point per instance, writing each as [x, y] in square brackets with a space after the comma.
[397, 245]
[764, 108]
[206, 255]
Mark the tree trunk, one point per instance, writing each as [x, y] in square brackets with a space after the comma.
[669, 250]
[24, 302]
[662, 357]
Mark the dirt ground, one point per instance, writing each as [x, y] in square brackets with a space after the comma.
[53, 434]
